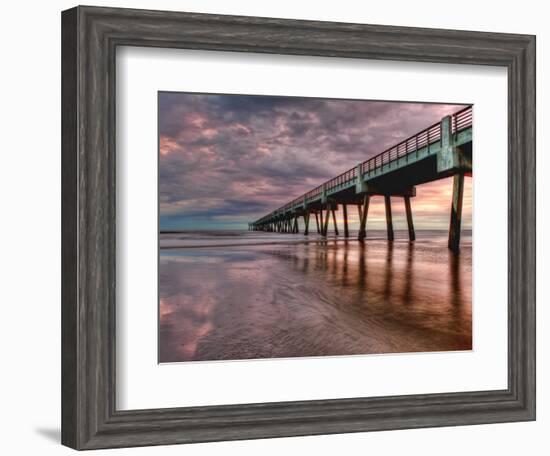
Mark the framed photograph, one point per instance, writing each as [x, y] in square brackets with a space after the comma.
[279, 227]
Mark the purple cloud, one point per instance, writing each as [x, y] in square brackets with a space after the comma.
[226, 160]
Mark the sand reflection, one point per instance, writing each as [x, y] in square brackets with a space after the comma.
[316, 299]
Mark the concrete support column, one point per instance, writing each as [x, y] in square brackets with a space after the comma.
[327, 216]
[389, 221]
[456, 212]
[363, 217]
[334, 222]
[345, 211]
[306, 223]
[317, 223]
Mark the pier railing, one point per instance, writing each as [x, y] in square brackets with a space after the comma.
[460, 120]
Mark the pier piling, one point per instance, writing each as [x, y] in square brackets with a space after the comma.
[410, 225]
[389, 221]
[327, 217]
[456, 212]
[363, 212]
[334, 222]
[345, 211]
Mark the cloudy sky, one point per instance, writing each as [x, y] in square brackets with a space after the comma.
[227, 160]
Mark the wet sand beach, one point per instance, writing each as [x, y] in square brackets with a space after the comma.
[246, 295]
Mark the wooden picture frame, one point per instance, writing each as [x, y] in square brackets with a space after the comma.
[90, 36]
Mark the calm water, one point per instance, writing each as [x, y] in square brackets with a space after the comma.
[242, 295]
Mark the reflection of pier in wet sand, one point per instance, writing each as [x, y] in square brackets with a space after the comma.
[323, 297]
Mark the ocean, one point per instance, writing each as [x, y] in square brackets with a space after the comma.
[229, 295]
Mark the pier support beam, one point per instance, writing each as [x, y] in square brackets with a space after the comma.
[317, 222]
[389, 221]
[408, 210]
[306, 223]
[334, 222]
[345, 211]
[327, 217]
[363, 212]
[456, 212]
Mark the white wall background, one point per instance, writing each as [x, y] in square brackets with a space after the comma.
[30, 225]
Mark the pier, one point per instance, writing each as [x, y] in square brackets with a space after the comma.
[441, 150]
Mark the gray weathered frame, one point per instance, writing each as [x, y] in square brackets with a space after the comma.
[90, 36]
